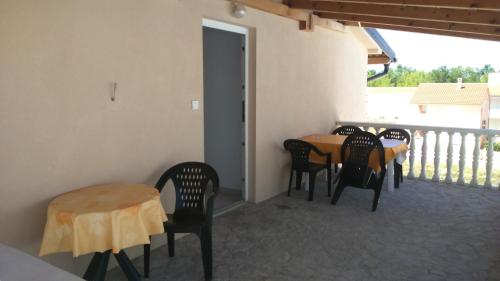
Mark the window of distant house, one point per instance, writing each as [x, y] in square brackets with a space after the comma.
[422, 108]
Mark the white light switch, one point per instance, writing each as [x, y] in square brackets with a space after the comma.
[195, 105]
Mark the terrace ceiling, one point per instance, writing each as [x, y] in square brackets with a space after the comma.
[478, 19]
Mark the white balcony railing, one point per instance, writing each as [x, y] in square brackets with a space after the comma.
[472, 166]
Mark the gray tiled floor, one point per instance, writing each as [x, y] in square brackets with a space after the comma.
[423, 231]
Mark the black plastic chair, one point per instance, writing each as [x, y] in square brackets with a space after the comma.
[396, 134]
[300, 151]
[356, 172]
[345, 131]
[193, 208]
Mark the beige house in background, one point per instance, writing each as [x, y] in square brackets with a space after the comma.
[494, 90]
[462, 105]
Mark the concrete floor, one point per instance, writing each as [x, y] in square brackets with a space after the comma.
[422, 231]
[227, 197]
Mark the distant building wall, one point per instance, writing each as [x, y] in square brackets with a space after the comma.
[443, 115]
[389, 105]
[392, 105]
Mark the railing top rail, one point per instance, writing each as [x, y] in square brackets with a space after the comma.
[488, 132]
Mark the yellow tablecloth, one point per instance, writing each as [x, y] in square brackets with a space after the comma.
[103, 217]
[333, 144]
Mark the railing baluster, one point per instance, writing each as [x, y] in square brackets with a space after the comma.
[423, 158]
[411, 173]
[449, 160]
[437, 150]
[489, 161]
[474, 165]
[475, 160]
[461, 162]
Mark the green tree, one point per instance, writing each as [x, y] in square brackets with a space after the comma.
[403, 76]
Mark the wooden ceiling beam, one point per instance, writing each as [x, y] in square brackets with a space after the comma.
[307, 21]
[427, 31]
[407, 12]
[276, 8]
[445, 26]
[378, 59]
[452, 4]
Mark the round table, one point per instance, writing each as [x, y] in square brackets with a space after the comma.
[103, 219]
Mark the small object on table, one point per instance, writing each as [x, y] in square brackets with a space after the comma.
[103, 219]
[18, 266]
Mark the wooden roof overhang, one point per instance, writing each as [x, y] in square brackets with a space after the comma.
[477, 19]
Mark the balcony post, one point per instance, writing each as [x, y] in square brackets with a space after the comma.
[489, 161]
[411, 173]
[449, 160]
[437, 151]
[475, 160]
[461, 162]
[423, 158]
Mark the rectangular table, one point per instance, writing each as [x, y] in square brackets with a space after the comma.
[394, 149]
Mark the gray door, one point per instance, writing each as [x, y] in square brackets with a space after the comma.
[223, 78]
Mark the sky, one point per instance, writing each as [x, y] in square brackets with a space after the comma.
[427, 52]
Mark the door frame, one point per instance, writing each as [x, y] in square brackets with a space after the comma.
[244, 31]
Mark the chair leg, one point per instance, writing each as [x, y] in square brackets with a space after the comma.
[375, 199]
[147, 252]
[396, 177]
[206, 251]
[298, 179]
[290, 183]
[336, 194]
[401, 172]
[171, 243]
[312, 180]
[329, 179]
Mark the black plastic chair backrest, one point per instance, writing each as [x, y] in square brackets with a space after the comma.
[346, 130]
[190, 181]
[357, 148]
[300, 151]
[396, 134]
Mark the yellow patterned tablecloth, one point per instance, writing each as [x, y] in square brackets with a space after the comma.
[103, 217]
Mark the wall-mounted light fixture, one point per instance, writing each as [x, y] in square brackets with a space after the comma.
[239, 10]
